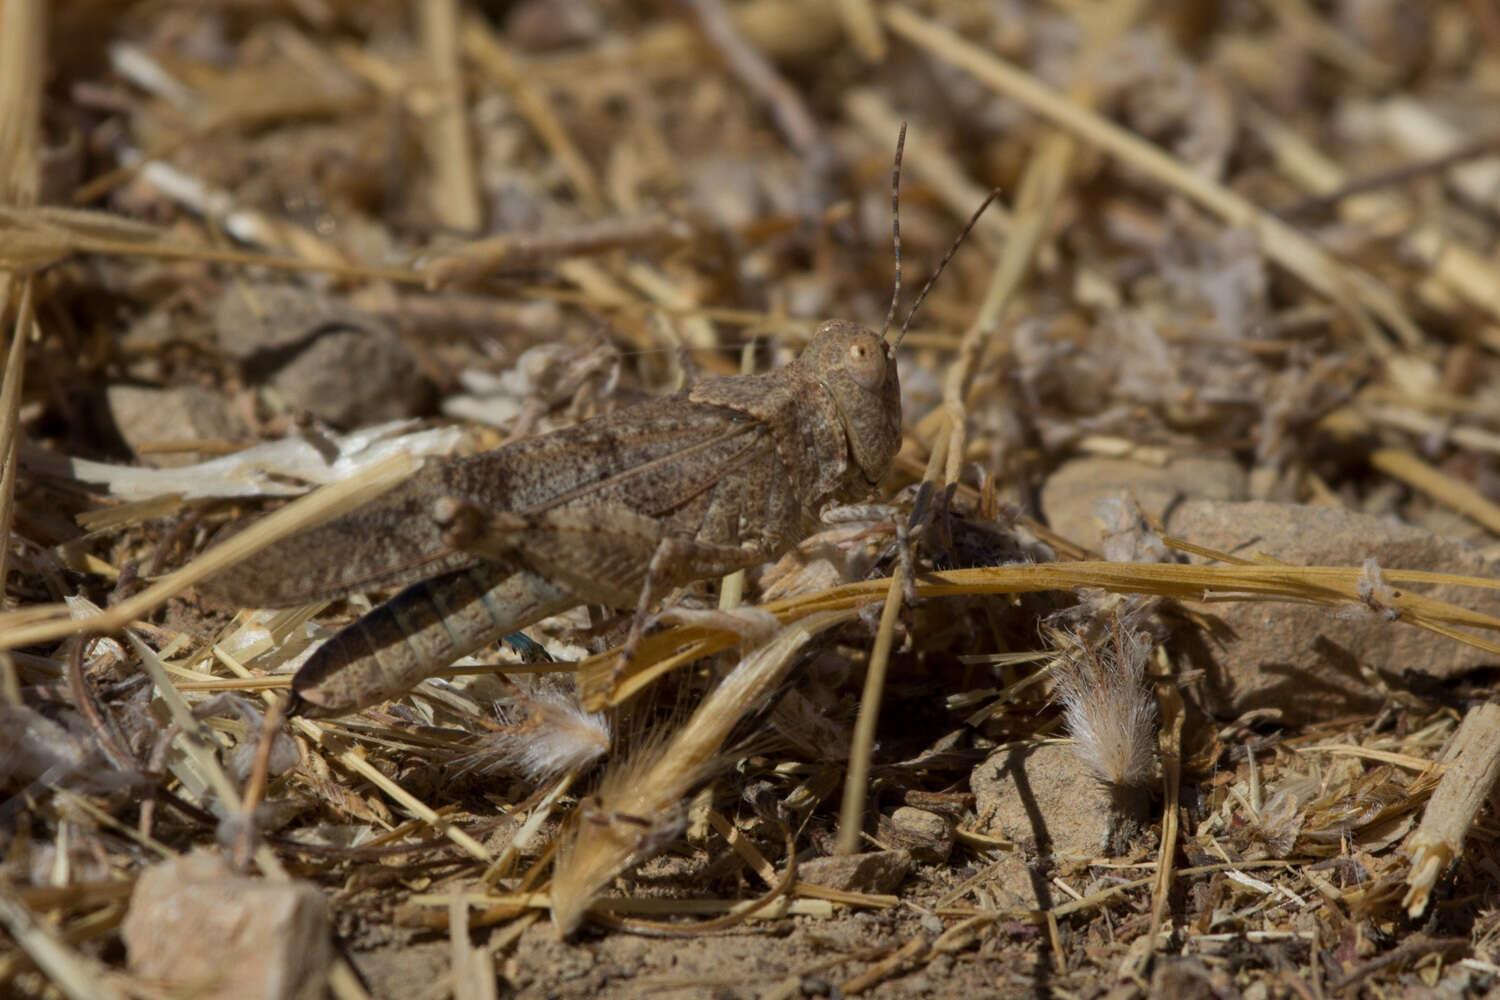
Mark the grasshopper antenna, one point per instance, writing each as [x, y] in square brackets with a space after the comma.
[890, 314]
[963, 233]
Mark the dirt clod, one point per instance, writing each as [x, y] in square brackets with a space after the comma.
[877, 871]
[195, 926]
[1307, 663]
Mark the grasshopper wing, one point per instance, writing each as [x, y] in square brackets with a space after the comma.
[390, 542]
[660, 460]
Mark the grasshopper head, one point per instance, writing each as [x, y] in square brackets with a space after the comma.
[858, 371]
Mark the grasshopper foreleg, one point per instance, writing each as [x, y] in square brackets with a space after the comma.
[677, 558]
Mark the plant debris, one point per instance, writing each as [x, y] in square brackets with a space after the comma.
[1162, 663]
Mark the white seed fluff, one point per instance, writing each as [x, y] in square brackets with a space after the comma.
[543, 735]
[1107, 707]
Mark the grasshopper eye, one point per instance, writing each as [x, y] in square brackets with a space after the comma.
[865, 361]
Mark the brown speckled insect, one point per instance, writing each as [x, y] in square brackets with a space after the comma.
[614, 511]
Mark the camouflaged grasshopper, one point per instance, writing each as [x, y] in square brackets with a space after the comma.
[617, 511]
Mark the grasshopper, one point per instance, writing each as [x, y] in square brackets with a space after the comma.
[616, 511]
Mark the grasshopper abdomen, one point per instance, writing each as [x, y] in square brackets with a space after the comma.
[428, 624]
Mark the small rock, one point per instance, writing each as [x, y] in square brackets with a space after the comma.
[1013, 882]
[927, 836]
[343, 366]
[1305, 662]
[1072, 493]
[815, 986]
[198, 929]
[146, 416]
[1042, 795]
[877, 872]
[538, 25]
[1189, 979]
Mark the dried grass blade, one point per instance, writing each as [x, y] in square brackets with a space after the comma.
[10, 408]
[481, 45]
[1325, 585]
[1398, 463]
[1359, 294]
[67, 970]
[1472, 770]
[23, 71]
[1039, 193]
[455, 189]
[1453, 263]
[651, 784]
[303, 513]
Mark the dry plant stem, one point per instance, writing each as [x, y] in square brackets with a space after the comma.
[651, 785]
[89, 707]
[783, 29]
[506, 861]
[499, 942]
[255, 787]
[344, 982]
[806, 890]
[785, 104]
[1340, 187]
[455, 193]
[862, 24]
[742, 846]
[851, 815]
[1041, 189]
[1415, 946]
[1467, 272]
[23, 46]
[529, 251]
[1398, 463]
[202, 756]
[738, 915]
[931, 162]
[296, 516]
[886, 967]
[1328, 585]
[10, 681]
[1173, 715]
[23, 49]
[45, 235]
[1333, 44]
[257, 114]
[862, 741]
[755, 71]
[36, 238]
[472, 968]
[224, 216]
[354, 760]
[68, 971]
[1353, 290]
[507, 69]
[1472, 768]
[1420, 132]
[10, 406]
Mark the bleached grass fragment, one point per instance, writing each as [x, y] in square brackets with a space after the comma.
[264, 470]
[639, 802]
